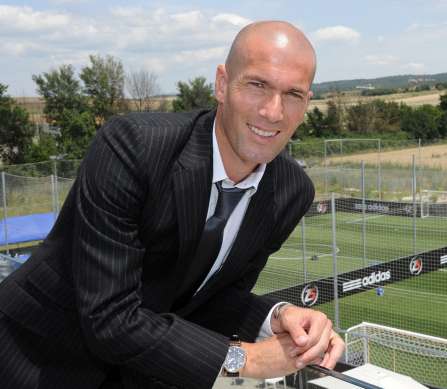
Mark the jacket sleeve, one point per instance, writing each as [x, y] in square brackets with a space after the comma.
[107, 268]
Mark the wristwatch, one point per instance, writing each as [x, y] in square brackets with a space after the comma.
[235, 359]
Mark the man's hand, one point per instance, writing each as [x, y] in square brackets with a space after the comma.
[315, 340]
[272, 357]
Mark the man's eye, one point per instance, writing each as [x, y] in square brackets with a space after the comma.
[256, 84]
[296, 95]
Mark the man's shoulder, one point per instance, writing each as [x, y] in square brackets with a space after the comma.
[164, 121]
[288, 169]
[154, 128]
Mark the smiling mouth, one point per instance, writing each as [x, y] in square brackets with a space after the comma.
[264, 134]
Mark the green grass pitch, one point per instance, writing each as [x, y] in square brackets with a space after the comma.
[418, 304]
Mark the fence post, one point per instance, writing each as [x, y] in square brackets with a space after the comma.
[5, 212]
[379, 183]
[53, 198]
[363, 213]
[334, 263]
[413, 187]
[303, 246]
[56, 188]
[325, 169]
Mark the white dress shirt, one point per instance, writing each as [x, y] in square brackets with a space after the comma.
[250, 184]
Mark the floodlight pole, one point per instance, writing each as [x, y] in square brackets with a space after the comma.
[303, 240]
[414, 187]
[379, 168]
[334, 263]
[363, 213]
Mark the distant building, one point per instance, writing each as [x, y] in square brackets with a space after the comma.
[367, 86]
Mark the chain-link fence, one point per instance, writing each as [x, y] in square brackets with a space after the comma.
[373, 246]
[361, 255]
[33, 189]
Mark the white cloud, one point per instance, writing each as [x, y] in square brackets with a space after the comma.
[233, 19]
[187, 20]
[381, 59]
[201, 55]
[414, 66]
[336, 33]
[26, 19]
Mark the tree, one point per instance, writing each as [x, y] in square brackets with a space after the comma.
[422, 122]
[361, 118]
[443, 119]
[316, 123]
[41, 150]
[15, 130]
[334, 118]
[77, 131]
[61, 91]
[319, 124]
[104, 85]
[193, 95]
[142, 86]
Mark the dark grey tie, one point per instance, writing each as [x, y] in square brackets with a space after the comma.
[211, 239]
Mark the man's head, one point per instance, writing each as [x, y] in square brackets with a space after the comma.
[263, 91]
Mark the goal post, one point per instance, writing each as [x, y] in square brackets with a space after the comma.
[428, 197]
[417, 355]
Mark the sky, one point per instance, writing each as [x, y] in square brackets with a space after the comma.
[180, 40]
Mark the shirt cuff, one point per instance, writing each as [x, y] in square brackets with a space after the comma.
[266, 328]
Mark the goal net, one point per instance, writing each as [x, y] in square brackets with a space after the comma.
[431, 197]
[420, 356]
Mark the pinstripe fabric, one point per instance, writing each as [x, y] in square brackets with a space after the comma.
[100, 292]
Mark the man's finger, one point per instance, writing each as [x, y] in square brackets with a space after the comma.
[335, 351]
[291, 317]
[318, 325]
[319, 348]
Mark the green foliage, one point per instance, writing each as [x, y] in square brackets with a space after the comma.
[423, 87]
[41, 150]
[104, 85]
[60, 90]
[378, 92]
[443, 102]
[422, 122]
[373, 116]
[15, 130]
[443, 119]
[361, 118]
[321, 125]
[194, 95]
[77, 131]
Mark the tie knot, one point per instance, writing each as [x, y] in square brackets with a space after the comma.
[221, 189]
[227, 200]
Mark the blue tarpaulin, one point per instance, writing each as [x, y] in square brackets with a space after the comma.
[26, 228]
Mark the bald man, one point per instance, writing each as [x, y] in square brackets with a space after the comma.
[127, 291]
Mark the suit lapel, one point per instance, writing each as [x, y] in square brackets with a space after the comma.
[252, 233]
[192, 184]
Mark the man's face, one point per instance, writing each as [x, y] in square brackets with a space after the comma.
[261, 103]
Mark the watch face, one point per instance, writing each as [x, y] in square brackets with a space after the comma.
[235, 359]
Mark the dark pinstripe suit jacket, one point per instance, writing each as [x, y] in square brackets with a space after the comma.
[100, 292]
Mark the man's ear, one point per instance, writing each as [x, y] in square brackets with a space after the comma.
[221, 83]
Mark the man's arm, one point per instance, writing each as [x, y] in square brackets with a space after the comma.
[107, 262]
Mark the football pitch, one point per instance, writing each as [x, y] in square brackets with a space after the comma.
[418, 304]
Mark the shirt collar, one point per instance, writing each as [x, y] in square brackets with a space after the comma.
[219, 174]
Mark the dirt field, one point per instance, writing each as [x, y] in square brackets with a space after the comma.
[413, 99]
[430, 156]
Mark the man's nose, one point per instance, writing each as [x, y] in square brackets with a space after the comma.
[272, 108]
